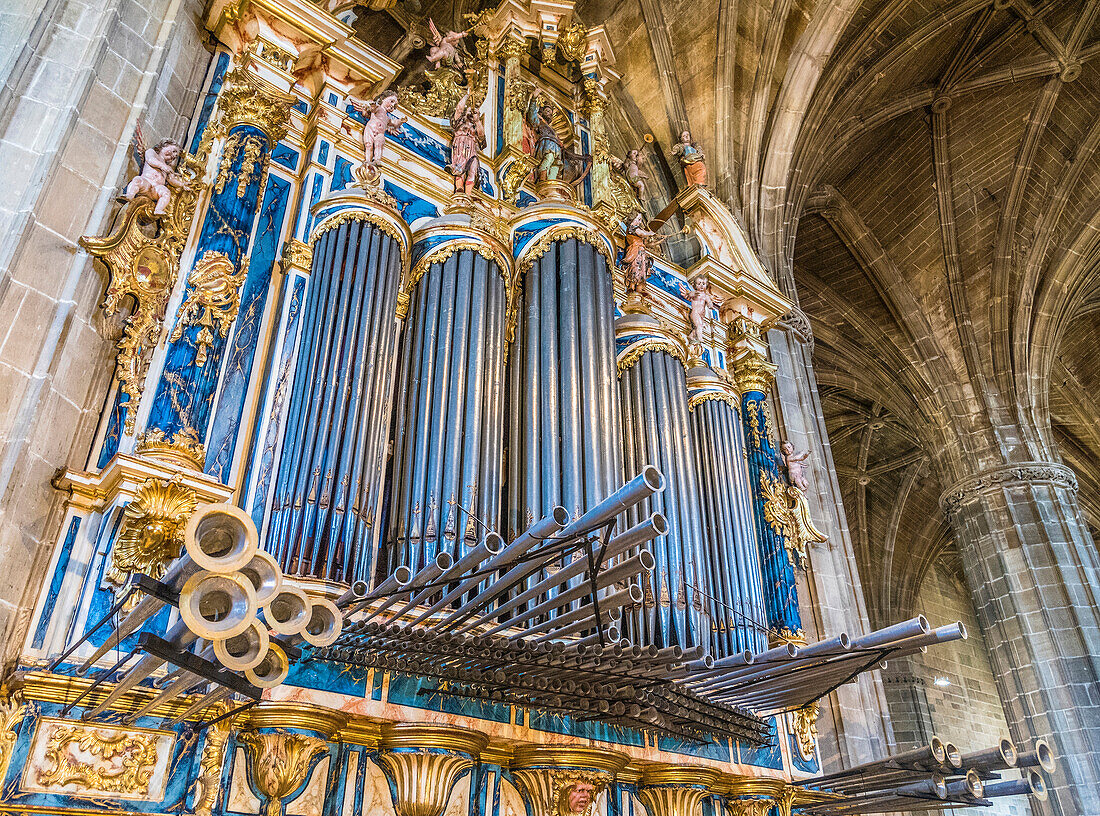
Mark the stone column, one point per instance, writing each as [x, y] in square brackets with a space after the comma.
[1032, 568]
[254, 117]
[852, 729]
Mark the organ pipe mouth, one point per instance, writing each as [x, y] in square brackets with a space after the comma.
[660, 523]
[844, 640]
[560, 515]
[494, 543]
[1038, 786]
[272, 670]
[953, 756]
[243, 651]
[324, 623]
[646, 560]
[220, 537]
[288, 612]
[1008, 752]
[217, 606]
[654, 479]
[1042, 756]
[939, 750]
[925, 626]
[974, 785]
[939, 786]
[264, 574]
[962, 630]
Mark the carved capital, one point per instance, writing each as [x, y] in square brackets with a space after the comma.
[966, 490]
[564, 781]
[183, 449]
[424, 761]
[248, 100]
[751, 372]
[797, 323]
[676, 790]
[279, 763]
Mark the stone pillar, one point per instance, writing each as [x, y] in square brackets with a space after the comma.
[852, 727]
[330, 476]
[1032, 567]
[656, 432]
[449, 432]
[254, 117]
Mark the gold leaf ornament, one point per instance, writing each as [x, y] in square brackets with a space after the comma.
[125, 766]
[152, 529]
[213, 298]
[279, 763]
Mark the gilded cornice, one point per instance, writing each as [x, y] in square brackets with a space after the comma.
[633, 354]
[500, 755]
[61, 689]
[699, 397]
[308, 717]
[565, 756]
[357, 208]
[123, 478]
[592, 234]
[248, 100]
[678, 775]
[358, 731]
[432, 737]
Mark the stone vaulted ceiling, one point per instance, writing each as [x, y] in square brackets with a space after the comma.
[924, 176]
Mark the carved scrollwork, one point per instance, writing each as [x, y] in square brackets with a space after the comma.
[142, 257]
[182, 449]
[804, 728]
[152, 529]
[126, 759]
[213, 298]
[967, 489]
[788, 514]
[210, 767]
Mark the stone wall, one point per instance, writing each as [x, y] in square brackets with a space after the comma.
[84, 76]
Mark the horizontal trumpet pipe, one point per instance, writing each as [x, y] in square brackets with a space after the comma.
[639, 534]
[631, 595]
[933, 754]
[1033, 785]
[740, 665]
[641, 487]
[906, 629]
[356, 592]
[214, 696]
[1000, 757]
[642, 563]
[179, 635]
[441, 565]
[397, 581]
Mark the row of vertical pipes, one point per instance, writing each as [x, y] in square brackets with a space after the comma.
[328, 481]
[448, 423]
[566, 434]
[655, 431]
[732, 558]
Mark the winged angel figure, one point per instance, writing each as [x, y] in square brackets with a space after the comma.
[445, 47]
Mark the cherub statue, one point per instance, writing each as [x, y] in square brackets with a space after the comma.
[445, 47]
[631, 168]
[637, 259]
[553, 159]
[701, 298]
[691, 159]
[795, 464]
[158, 173]
[380, 121]
[468, 136]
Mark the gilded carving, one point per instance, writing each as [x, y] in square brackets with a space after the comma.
[752, 372]
[573, 41]
[759, 423]
[699, 397]
[253, 162]
[279, 763]
[635, 352]
[182, 448]
[804, 728]
[108, 761]
[247, 100]
[142, 258]
[12, 712]
[212, 301]
[210, 767]
[788, 514]
[514, 176]
[297, 254]
[152, 529]
[439, 256]
[447, 85]
[353, 215]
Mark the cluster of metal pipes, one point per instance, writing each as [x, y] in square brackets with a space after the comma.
[789, 676]
[236, 615]
[935, 777]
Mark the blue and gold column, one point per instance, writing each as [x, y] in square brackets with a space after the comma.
[253, 118]
[330, 477]
[753, 374]
[564, 428]
[656, 431]
[732, 563]
[449, 428]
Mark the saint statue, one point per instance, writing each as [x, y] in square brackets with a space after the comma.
[553, 161]
[691, 159]
[467, 138]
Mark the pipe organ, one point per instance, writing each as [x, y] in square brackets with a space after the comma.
[516, 521]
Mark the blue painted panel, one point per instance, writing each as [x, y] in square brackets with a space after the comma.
[411, 205]
[301, 106]
[500, 111]
[341, 175]
[55, 584]
[186, 389]
[421, 692]
[210, 98]
[317, 186]
[241, 353]
[113, 434]
[588, 178]
[322, 152]
[764, 756]
[812, 766]
[564, 724]
[711, 749]
[285, 156]
[334, 677]
[263, 472]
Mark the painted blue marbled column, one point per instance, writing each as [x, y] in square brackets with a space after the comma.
[656, 432]
[564, 412]
[449, 423]
[780, 589]
[732, 560]
[185, 393]
[330, 473]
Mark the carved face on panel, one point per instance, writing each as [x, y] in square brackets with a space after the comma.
[578, 797]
